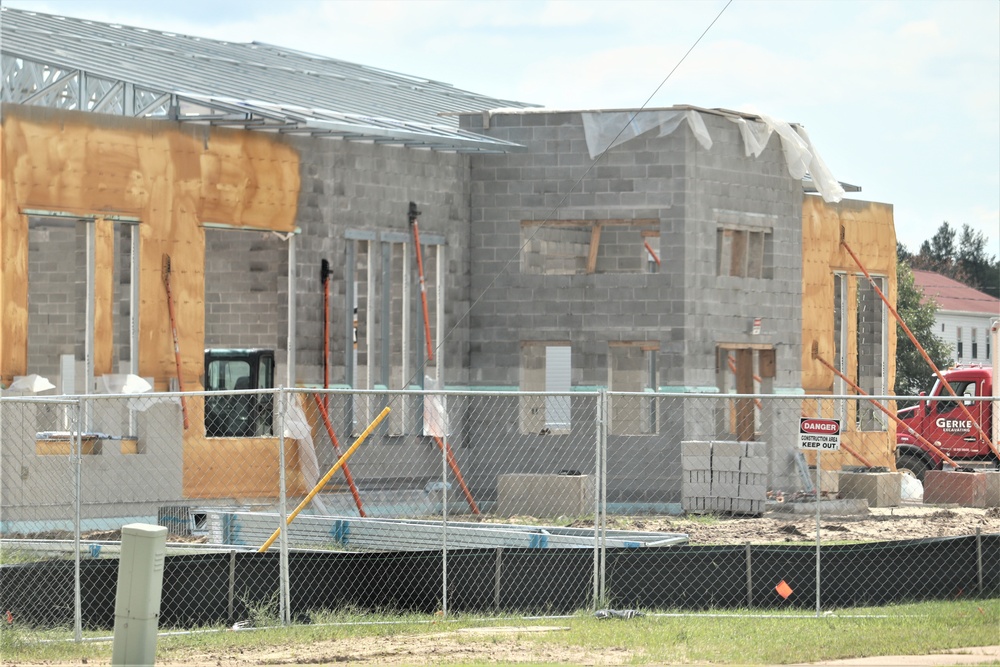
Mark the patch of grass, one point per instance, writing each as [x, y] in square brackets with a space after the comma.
[779, 638]
[703, 519]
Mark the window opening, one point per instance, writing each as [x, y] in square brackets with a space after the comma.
[386, 329]
[958, 338]
[743, 253]
[870, 336]
[546, 367]
[975, 345]
[82, 299]
[840, 339]
[742, 370]
[569, 247]
[651, 250]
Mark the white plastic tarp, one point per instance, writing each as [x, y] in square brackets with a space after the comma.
[604, 130]
[607, 129]
[435, 410]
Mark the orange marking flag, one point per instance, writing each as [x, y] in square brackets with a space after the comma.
[784, 590]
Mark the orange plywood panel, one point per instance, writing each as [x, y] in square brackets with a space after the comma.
[868, 228]
[173, 177]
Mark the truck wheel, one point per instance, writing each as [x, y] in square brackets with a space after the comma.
[912, 465]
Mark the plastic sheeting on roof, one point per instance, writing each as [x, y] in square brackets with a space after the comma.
[604, 131]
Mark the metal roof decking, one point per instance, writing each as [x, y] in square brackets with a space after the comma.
[78, 64]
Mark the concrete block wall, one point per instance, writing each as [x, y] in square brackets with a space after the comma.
[357, 186]
[687, 306]
[246, 289]
[38, 489]
[56, 290]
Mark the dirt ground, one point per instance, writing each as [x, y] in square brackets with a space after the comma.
[889, 523]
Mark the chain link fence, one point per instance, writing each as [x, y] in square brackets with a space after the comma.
[484, 503]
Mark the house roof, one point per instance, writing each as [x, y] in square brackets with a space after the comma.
[70, 63]
[951, 295]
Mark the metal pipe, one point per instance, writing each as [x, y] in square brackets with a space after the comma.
[336, 450]
[326, 478]
[284, 587]
[651, 252]
[819, 492]
[78, 500]
[444, 534]
[324, 276]
[450, 456]
[290, 374]
[414, 214]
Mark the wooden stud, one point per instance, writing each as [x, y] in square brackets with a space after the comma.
[595, 242]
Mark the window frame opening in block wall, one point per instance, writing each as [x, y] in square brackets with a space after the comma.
[106, 265]
[583, 247]
[743, 252]
[386, 343]
[546, 366]
[632, 368]
[743, 369]
[860, 348]
[244, 313]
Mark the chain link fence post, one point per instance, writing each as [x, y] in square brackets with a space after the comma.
[444, 532]
[598, 421]
[77, 462]
[284, 579]
[602, 490]
[819, 496]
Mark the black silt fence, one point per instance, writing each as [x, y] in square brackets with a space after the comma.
[222, 588]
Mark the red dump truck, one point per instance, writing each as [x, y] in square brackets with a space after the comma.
[948, 426]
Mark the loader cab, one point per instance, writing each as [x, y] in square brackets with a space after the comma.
[239, 415]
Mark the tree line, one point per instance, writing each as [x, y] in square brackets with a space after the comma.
[968, 262]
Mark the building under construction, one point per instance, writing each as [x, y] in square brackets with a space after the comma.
[707, 252]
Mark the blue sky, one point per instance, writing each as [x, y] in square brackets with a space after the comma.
[901, 98]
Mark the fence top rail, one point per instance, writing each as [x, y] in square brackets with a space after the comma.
[58, 400]
[72, 399]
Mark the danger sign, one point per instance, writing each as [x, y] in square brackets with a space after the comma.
[821, 434]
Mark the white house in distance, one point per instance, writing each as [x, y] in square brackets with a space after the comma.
[963, 316]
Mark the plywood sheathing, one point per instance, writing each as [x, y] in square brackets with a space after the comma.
[870, 231]
[173, 178]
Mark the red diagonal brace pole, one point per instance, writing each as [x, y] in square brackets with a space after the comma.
[899, 422]
[336, 450]
[652, 253]
[414, 214]
[445, 447]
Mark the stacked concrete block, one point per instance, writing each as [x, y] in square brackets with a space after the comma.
[880, 489]
[968, 489]
[724, 477]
